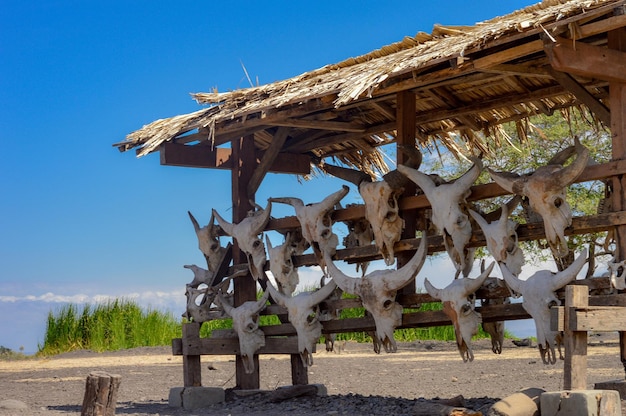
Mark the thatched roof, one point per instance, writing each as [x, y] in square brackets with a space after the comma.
[467, 82]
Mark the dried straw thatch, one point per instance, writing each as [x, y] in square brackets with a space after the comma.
[467, 82]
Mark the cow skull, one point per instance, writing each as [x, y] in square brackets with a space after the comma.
[495, 329]
[209, 242]
[449, 214]
[618, 282]
[359, 235]
[326, 313]
[381, 201]
[200, 298]
[501, 239]
[316, 222]
[539, 296]
[303, 316]
[377, 291]
[458, 304]
[546, 190]
[246, 325]
[281, 266]
[247, 234]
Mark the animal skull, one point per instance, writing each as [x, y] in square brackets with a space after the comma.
[618, 282]
[202, 285]
[449, 214]
[247, 234]
[381, 201]
[359, 235]
[546, 190]
[325, 313]
[282, 267]
[316, 222]
[502, 239]
[209, 242]
[246, 325]
[377, 291]
[495, 329]
[458, 304]
[302, 315]
[539, 296]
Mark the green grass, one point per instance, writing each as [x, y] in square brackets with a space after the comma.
[121, 324]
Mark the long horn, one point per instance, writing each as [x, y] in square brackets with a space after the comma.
[329, 202]
[276, 295]
[268, 242]
[351, 175]
[472, 285]
[511, 280]
[468, 178]
[226, 226]
[348, 284]
[422, 180]
[482, 223]
[432, 290]
[318, 296]
[294, 202]
[568, 174]
[397, 180]
[260, 305]
[507, 180]
[225, 305]
[196, 226]
[562, 278]
[260, 220]
[397, 279]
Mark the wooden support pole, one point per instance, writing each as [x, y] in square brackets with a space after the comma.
[575, 369]
[405, 120]
[192, 369]
[617, 97]
[100, 394]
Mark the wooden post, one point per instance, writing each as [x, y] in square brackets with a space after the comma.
[100, 394]
[575, 369]
[192, 369]
[617, 97]
[405, 126]
[244, 164]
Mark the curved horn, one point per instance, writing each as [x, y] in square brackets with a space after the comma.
[329, 202]
[507, 180]
[568, 174]
[422, 180]
[225, 305]
[276, 295]
[482, 223]
[564, 277]
[319, 295]
[472, 285]
[267, 241]
[294, 202]
[468, 178]
[351, 175]
[260, 305]
[226, 226]
[511, 280]
[396, 179]
[196, 226]
[397, 279]
[348, 284]
[432, 290]
[260, 220]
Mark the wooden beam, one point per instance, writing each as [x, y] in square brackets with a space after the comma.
[268, 159]
[203, 156]
[319, 125]
[586, 60]
[570, 84]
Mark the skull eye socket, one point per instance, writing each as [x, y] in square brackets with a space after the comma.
[325, 234]
[466, 309]
[256, 243]
[214, 247]
[311, 319]
[387, 304]
[552, 304]
[288, 262]
[558, 202]
[326, 221]
[391, 203]
[390, 216]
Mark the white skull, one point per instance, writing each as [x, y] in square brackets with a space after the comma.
[281, 266]
[246, 325]
[316, 222]
[448, 212]
[359, 235]
[458, 304]
[303, 316]
[618, 282]
[209, 242]
[539, 296]
[546, 190]
[377, 291]
[247, 233]
[502, 239]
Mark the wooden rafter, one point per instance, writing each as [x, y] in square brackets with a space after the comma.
[268, 159]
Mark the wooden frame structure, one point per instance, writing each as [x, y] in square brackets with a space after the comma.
[453, 87]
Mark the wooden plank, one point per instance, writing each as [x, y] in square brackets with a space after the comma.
[575, 367]
[318, 125]
[599, 318]
[596, 106]
[203, 156]
[192, 370]
[587, 60]
[230, 346]
[268, 159]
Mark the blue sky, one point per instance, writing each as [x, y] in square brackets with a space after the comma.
[80, 221]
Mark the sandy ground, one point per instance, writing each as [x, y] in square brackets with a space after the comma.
[427, 369]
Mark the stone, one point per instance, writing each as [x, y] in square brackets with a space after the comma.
[617, 385]
[581, 403]
[191, 398]
[522, 403]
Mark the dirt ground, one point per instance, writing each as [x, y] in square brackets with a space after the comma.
[426, 369]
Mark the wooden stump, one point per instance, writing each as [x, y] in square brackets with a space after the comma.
[100, 394]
